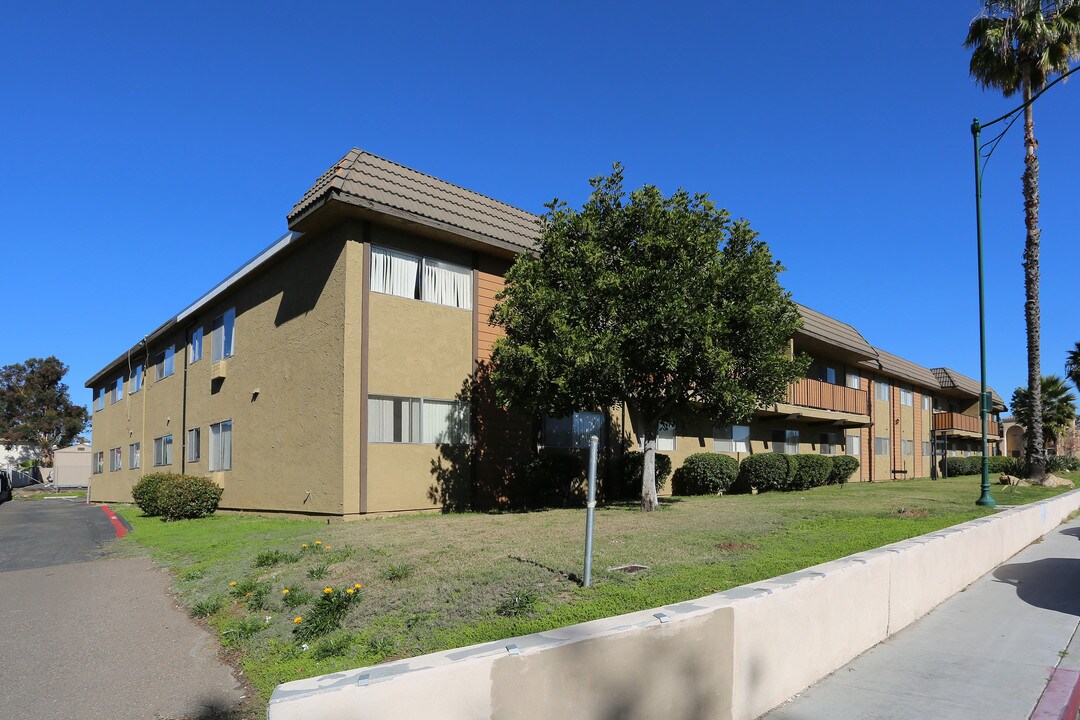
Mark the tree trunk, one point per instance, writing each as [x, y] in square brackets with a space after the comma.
[1035, 450]
[648, 475]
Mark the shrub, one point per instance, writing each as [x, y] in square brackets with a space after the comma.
[147, 492]
[1062, 463]
[766, 471]
[294, 596]
[705, 474]
[233, 632]
[633, 465]
[183, 497]
[956, 466]
[397, 571]
[207, 606]
[1000, 464]
[555, 479]
[326, 614]
[270, 558]
[812, 471]
[517, 603]
[318, 572]
[844, 466]
[334, 646]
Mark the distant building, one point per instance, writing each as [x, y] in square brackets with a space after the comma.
[1067, 444]
[325, 376]
[72, 466]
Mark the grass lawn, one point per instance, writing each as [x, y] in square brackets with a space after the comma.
[433, 582]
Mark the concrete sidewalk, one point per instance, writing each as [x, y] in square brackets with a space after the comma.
[1000, 650]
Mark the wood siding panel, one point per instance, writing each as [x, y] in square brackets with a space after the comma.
[826, 396]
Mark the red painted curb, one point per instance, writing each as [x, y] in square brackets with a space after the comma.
[121, 531]
[1073, 708]
[1059, 695]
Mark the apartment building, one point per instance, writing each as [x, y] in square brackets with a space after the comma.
[342, 370]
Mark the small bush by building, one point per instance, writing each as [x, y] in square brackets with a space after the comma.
[767, 471]
[812, 471]
[176, 497]
[555, 479]
[705, 474]
[633, 466]
[844, 466]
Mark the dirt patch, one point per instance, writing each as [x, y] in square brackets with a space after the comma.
[735, 547]
[904, 512]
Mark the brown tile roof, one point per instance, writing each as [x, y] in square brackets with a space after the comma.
[367, 180]
[951, 379]
[904, 369]
[829, 330]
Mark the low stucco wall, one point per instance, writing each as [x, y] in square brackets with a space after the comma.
[732, 655]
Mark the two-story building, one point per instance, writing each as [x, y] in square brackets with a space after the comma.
[341, 371]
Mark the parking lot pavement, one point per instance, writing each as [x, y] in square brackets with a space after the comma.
[86, 636]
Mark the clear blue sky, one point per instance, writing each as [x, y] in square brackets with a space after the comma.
[148, 149]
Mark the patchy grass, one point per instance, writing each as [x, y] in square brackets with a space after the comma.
[433, 582]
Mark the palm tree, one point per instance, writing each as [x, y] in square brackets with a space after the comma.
[1058, 406]
[1072, 365]
[1017, 45]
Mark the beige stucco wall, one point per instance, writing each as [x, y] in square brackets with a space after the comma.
[732, 655]
[283, 389]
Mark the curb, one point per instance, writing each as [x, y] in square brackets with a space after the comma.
[122, 526]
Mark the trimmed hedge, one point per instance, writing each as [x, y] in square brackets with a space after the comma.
[767, 471]
[844, 466]
[705, 474]
[556, 480]
[812, 471]
[176, 497]
[633, 465]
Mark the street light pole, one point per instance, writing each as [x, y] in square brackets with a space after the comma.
[984, 397]
[984, 499]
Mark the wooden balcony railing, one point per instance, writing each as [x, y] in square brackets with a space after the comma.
[968, 423]
[826, 396]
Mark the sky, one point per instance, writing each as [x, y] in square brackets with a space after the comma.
[149, 149]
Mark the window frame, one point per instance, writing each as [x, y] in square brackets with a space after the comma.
[422, 262]
[163, 447]
[195, 345]
[165, 363]
[134, 455]
[878, 385]
[907, 397]
[849, 446]
[136, 380]
[416, 423]
[193, 449]
[99, 462]
[116, 459]
[116, 390]
[218, 460]
[223, 336]
[784, 447]
[727, 434]
[878, 440]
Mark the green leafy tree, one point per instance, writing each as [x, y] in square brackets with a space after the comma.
[1058, 407]
[1017, 45]
[1072, 365]
[35, 408]
[663, 303]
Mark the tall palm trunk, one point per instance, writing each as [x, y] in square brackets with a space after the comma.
[1034, 435]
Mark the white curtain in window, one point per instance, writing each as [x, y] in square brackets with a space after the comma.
[394, 273]
[380, 420]
[447, 284]
[445, 422]
[221, 446]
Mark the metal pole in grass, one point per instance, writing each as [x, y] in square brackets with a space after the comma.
[594, 442]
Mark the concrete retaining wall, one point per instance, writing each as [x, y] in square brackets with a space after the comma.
[733, 655]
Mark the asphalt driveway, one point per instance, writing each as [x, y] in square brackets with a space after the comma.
[85, 636]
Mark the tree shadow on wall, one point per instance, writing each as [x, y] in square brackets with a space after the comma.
[488, 474]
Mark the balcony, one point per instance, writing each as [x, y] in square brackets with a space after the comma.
[820, 402]
[826, 396]
[965, 425]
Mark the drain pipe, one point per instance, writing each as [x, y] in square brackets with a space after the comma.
[590, 510]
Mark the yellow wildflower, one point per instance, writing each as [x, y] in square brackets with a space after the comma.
[285, 591]
[297, 620]
[350, 591]
[318, 542]
[232, 584]
[303, 546]
[358, 586]
[327, 547]
[328, 590]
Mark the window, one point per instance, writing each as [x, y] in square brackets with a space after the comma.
[881, 446]
[785, 441]
[115, 460]
[134, 459]
[163, 363]
[853, 445]
[906, 397]
[573, 431]
[222, 335]
[163, 450]
[907, 448]
[827, 443]
[419, 278]
[665, 437]
[136, 380]
[927, 448]
[221, 446]
[926, 403]
[881, 390]
[99, 463]
[827, 374]
[853, 379]
[194, 436]
[99, 399]
[195, 346]
[416, 420]
[116, 390]
[731, 438]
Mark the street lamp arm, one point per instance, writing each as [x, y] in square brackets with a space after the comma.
[1034, 97]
